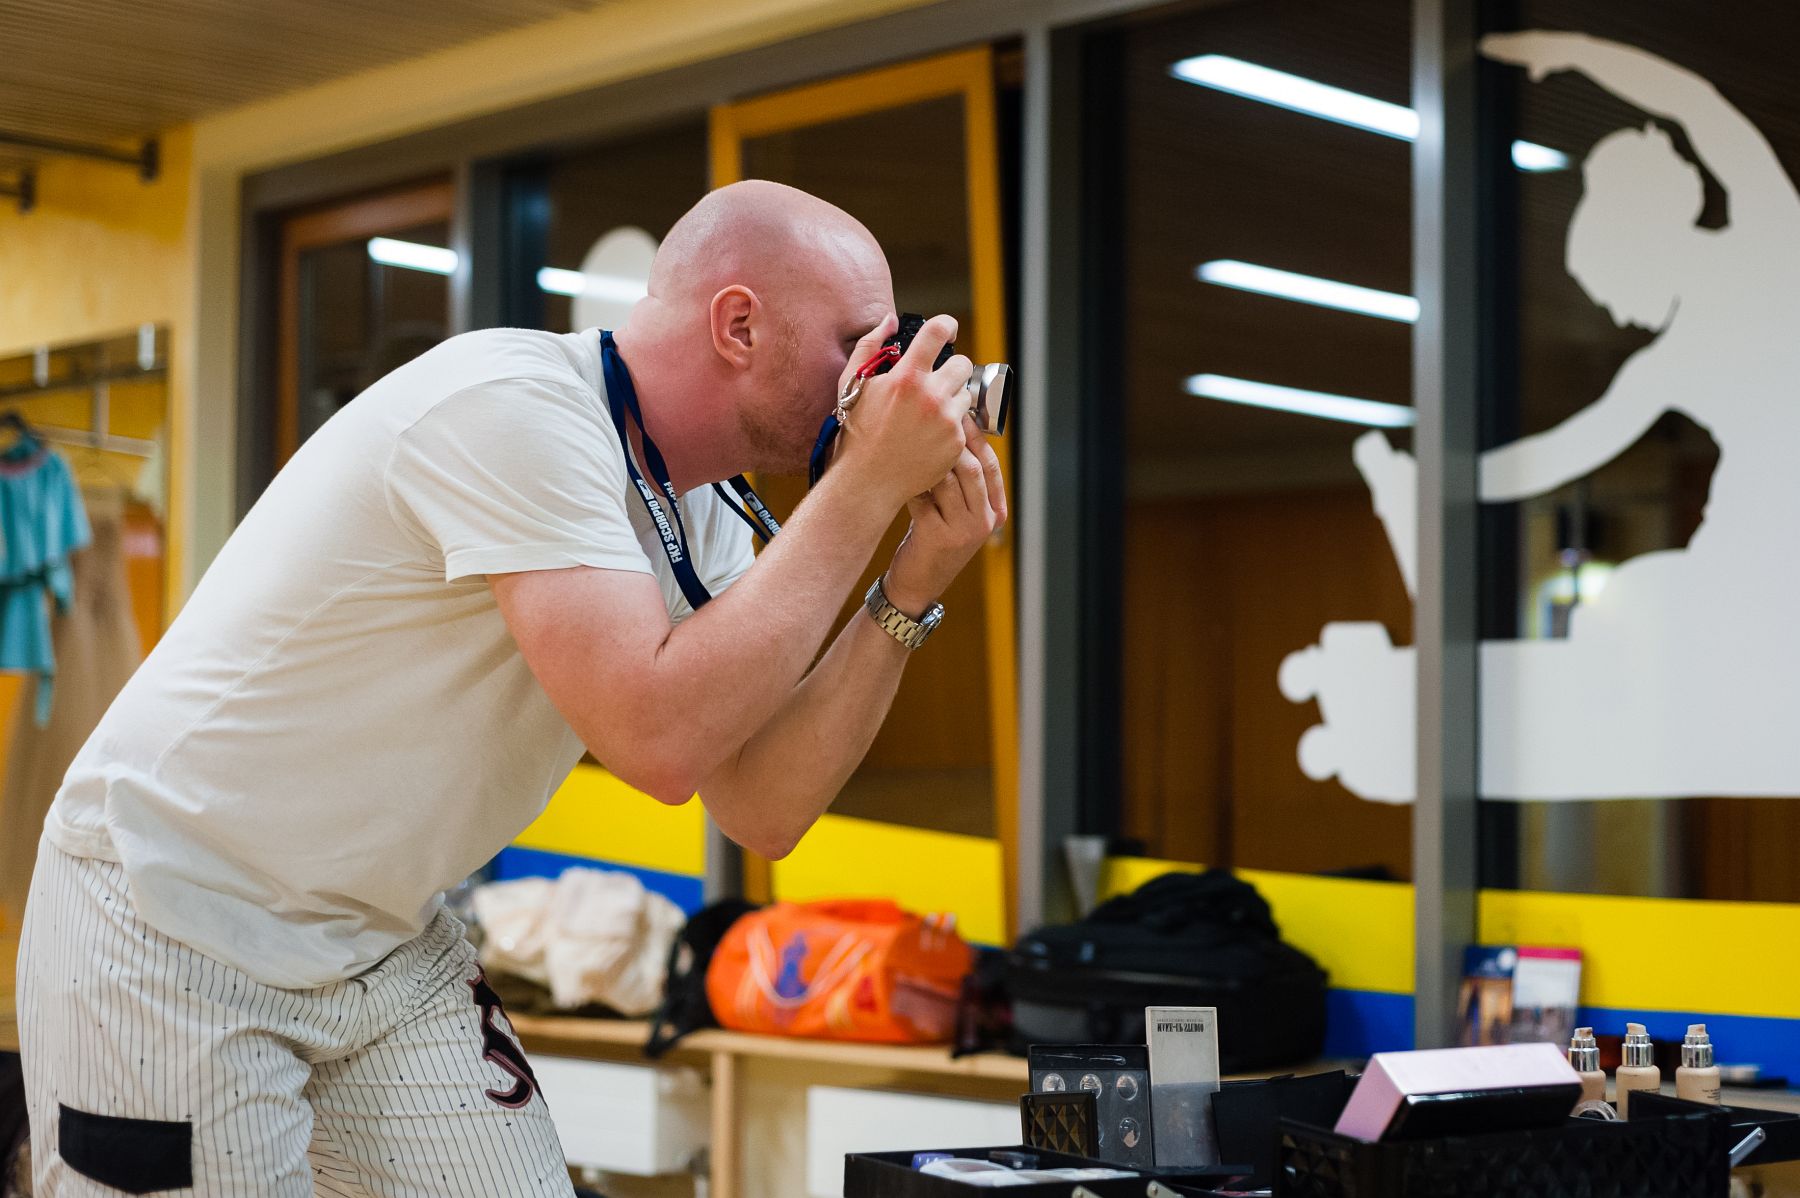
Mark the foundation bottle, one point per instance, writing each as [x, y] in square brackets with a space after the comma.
[1584, 1058]
[1698, 1078]
[1639, 1072]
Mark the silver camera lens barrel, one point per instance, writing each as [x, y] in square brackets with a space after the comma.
[989, 387]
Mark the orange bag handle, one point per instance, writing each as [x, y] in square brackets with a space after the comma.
[854, 910]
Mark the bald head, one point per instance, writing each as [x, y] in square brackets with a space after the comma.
[756, 298]
[762, 235]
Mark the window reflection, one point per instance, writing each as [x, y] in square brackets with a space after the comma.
[1256, 241]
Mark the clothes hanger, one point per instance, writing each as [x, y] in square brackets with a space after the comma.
[24, 434]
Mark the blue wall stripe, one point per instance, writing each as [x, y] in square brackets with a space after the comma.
[1737, 1039]
[512, 862]
[1360, 1022]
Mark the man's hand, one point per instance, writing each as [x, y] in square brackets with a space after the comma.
[906, 430]
[949, 523]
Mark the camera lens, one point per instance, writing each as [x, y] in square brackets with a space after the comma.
[989, 386]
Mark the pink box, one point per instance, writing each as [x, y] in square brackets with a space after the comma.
[1394, 1078]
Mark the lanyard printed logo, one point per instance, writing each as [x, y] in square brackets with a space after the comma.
[621, 400]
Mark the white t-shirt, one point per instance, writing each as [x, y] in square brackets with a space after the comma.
[339, 726]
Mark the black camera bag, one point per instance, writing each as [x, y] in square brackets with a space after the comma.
[684, 1006]
[1195, 940]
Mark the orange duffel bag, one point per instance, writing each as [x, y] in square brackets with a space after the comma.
[841, 969]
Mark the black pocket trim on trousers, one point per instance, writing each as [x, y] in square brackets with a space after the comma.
[139, 1156]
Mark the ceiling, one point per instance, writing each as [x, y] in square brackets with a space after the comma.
[117, 70]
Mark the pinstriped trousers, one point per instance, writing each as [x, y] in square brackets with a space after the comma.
[148, 1063]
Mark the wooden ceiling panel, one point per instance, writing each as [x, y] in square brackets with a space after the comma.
[117, 70]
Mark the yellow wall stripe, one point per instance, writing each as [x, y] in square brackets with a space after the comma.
[594, 814]
[1645, 954]
[1361, 933]
[921, 870]
[1638, 953]
[1662, 954]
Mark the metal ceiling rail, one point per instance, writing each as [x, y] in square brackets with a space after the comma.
[147, 159]
[23, 189]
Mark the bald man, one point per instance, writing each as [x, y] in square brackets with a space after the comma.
[237, 973]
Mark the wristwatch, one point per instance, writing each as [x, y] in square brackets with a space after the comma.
[898, 624]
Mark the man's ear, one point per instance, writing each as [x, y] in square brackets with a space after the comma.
[734, 315]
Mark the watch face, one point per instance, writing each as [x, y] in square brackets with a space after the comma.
[934, 615]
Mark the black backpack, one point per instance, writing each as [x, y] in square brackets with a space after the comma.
[684, 1007]
[1197, 940]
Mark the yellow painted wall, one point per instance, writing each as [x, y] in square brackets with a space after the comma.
[101, 252]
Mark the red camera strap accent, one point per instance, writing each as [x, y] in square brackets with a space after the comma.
[886, 354]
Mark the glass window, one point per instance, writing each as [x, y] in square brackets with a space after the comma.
[931, 765]
[586, 225]
[363, 288]
[1637, 579]
[1255, 315]
[938, 762]
[363, 318]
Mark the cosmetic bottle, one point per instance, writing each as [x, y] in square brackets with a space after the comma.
[1639, 1072]
[1698, 1078]
[1584, 1058]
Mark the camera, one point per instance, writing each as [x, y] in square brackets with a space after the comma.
[990, 387]
[990, 390]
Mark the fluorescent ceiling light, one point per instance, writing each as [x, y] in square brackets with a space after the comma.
[1293, 399]
[412, 255]
[1327, 293]
[1246, 79]
[1529, 156]
[1297, 94]
[558, 281]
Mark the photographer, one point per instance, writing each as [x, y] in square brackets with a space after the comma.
[236, 970]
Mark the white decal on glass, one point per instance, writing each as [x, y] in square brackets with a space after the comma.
[1678, 680]
[615, 275]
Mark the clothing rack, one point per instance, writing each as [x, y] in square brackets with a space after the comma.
[149, 364]
[94, 438]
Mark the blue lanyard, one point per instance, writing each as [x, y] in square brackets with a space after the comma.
[621, 396]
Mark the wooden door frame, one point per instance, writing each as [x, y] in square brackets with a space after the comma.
[968, 74]
[348, 220]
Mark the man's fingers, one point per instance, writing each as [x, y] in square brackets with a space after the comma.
[938, 332]
[990, 468]
[871, 340]
[951, 380]
[971, 483]
[866, 347]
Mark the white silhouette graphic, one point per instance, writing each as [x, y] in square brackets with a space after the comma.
[1679, 679]
[615, 276]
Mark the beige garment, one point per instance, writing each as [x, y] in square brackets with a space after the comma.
[97, 648]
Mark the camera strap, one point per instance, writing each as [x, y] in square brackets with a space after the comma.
[621, 398]
[834, 423]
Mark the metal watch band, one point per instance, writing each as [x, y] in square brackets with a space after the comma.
[898, 624]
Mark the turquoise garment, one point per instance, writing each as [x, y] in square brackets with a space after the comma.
[42, 522]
